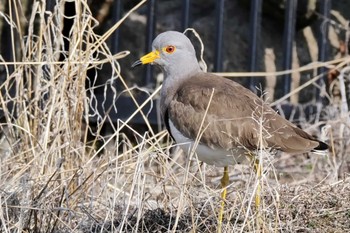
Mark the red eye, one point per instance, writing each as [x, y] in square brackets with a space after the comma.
[170, 49]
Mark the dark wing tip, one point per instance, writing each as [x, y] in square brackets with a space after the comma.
[136, 63]
[321, 146]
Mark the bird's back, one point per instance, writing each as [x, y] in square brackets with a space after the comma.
[233, 117]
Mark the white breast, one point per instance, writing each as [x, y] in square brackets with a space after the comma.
[213, 156]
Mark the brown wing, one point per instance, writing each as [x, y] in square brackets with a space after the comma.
[233, 117]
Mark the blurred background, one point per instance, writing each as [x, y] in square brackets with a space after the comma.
[239, 36]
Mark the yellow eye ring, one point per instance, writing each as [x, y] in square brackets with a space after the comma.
[169, 49]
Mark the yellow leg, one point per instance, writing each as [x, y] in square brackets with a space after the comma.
[224, 182]
[258, 168]
[258, 171]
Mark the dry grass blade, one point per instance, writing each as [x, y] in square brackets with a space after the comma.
[55, 178]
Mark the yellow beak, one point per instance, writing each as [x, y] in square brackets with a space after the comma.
[148, 58]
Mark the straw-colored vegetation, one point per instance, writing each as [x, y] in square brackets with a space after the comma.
[55, 177]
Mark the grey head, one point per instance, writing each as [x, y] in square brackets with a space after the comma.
[174, 53]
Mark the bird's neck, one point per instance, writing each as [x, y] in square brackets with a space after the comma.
[174, 76]
[182, 70]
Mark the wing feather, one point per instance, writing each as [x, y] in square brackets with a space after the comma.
[234, 117]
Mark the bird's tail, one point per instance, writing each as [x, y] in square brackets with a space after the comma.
[322, 148]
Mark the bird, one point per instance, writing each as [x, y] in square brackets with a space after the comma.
[217, 117]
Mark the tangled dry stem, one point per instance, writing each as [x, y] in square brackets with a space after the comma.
[53, 178]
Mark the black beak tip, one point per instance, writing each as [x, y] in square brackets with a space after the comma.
[136, 63]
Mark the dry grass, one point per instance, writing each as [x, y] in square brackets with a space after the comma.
[54, 179]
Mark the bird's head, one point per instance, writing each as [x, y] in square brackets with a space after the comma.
[170, 50]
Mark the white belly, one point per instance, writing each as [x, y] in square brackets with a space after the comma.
[213, 156]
